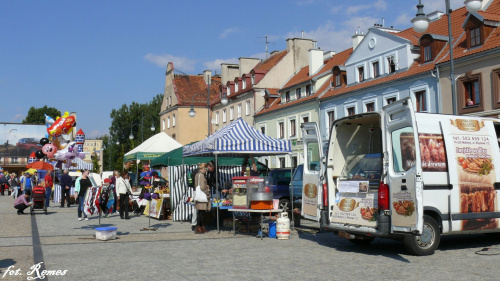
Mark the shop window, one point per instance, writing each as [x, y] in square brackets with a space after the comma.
[298, 93]
[293, 129]
[421, 101]
[281, 127]
[376, 69]
[370, 107]
[308, 90]
[391, 63]
[351, 111]
[282, 162]
[470, 93]
[361, 74]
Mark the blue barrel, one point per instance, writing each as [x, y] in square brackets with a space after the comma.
[272, 229]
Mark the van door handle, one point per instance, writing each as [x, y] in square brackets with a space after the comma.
[403, 187]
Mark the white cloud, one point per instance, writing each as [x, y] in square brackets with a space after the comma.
[380, 5]
[215, 64]
[403, 20]
[227, 32]
[328, 36]
[433, 5]
[17, 118]
[363, 23]
[181, 63]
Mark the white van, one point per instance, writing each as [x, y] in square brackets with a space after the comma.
[405, 175]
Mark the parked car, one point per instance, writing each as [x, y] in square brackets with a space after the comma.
[279, 181]
[30, 144]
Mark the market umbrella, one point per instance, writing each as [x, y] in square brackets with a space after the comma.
[40, 165]
[31, 171]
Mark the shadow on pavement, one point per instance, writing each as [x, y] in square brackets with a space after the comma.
[93, 226]
[5, 263]
[468, 241]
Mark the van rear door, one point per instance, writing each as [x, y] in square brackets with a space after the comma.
[403, 167]
[313, 171]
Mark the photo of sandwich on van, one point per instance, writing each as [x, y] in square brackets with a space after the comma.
[478, 198]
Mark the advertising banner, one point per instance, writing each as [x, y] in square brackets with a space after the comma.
[353, 205]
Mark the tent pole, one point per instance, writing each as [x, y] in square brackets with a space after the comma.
[216, 185]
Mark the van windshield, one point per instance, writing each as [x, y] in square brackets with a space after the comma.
[363, 167]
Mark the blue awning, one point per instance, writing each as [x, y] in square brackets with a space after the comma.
[238, 137]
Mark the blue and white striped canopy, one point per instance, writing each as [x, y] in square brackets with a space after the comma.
[238, 137]
[80, 165]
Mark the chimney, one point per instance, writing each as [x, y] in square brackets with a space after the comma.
[356, 39]
[207, 76]
[435, 15]
[315, 60]
[328, 55]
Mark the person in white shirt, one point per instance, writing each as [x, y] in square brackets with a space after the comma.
[123, 190]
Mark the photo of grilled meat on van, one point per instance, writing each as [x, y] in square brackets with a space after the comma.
[476, 199]
[432, 152]
[480, 166]
[368, 213]
[404, 208]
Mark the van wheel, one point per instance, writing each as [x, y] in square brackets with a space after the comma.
[426, 243]
[284, 204]
[361, 242]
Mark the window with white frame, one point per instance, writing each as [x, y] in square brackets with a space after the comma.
[305, 119]
[361, 73]
[231, 113]
[252, 79]
[236, 84]
[293, 128]
[168, 122]
[247, 108]
[163, 124]
[369, 105]
[375, 69]
[263, 129]
[217, 117]
[308, 90]
[331, 118]
[244, 83]
[239, 110]
[390, 98]
[282, 162]
[420, 98]
[391, 64]
[281, 129]
[350, 108]
[298, 93]
[228, 91]
[224, 116]
[173, 120]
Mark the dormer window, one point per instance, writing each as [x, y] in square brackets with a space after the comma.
[298, 93]
[252, 79]
[375, 69]
[427, 53]
[244, 83]
[287, 96]
[236, 84]
[337, 82]
[361, 74]
[391, 63]
[308, 90]
[228, 91]
[475, 37]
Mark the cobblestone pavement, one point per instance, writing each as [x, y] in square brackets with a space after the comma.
[173, 252]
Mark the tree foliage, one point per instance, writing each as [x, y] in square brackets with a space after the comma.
[135, 119]
[36, 115]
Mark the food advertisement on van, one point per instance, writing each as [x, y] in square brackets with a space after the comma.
[353, 207]
[432, 151]
[473, 148]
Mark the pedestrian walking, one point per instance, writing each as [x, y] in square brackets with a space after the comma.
[66, 184]
[116, 175]
[124, 190]
[14, 185]
[82, 184]
[202, 207]
[26, 182]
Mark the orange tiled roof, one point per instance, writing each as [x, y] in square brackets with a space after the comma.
[303, 74]
[186, 86]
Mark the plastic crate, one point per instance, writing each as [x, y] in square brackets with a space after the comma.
[105, 233]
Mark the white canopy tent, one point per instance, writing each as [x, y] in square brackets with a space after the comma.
[153, 147]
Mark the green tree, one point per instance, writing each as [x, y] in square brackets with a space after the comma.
[135, 119]
[36, 115]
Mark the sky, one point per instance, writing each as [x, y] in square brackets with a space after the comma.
[90, 57]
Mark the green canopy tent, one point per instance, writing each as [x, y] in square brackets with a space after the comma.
[174, 158]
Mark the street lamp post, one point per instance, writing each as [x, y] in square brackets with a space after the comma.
[131, 136]
[421, 23]
[109, 151]
[223, 101]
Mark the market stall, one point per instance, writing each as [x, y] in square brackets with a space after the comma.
[80, 165]
[236, 139]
